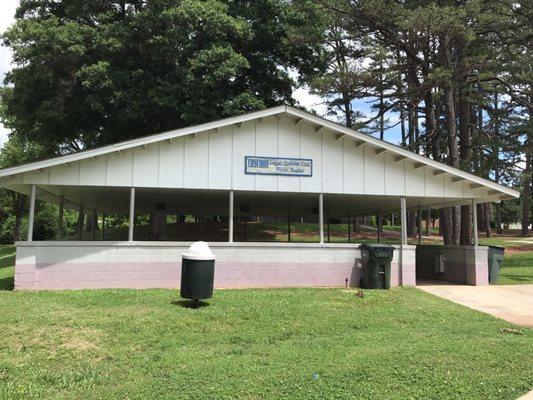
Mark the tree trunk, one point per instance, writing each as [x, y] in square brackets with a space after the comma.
[451, 217]
[465, 159]
[411, 224]
[445, 225]
[526, 194]
[18, 209]
[487, 210]
[499, 229]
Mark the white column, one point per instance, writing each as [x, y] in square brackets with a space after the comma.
[403, 220]
[132, 214]
[474, 222]
[321, 217]
[31, 217]
[230, 216]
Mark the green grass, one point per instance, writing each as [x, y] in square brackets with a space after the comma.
[255, 344]
[517, 268]
[7, 261]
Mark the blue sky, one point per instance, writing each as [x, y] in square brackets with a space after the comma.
[302, 95]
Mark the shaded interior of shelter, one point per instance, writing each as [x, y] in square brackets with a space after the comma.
[188, 215]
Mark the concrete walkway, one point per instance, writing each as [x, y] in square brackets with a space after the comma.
[512, 303]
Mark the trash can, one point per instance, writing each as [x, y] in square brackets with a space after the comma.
[197, 272]
[495, 259]
[376, 260]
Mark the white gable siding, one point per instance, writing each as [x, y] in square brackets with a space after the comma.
[394, 175]
[452, 189]
[332, 163]
[414, 180]
[92, 171]
[353, 167]
[289, 143]
[220, 158]
[146, 165]
[171, 156]
[434, 185]
[196, 161]
[374, 171]
[119, 169]
[243, 144]
[266, 144]
[311, 147]
[214, 159]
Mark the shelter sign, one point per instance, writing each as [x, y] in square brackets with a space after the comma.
[278, 166]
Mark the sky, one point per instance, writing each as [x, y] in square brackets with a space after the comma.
[302, 95]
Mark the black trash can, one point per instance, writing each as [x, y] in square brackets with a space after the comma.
[495, 259]
[376, 259]
[197, 272]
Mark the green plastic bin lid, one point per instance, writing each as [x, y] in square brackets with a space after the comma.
[198, 251]
[376, 246]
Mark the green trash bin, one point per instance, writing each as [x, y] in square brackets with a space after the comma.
[376, 259]
[197, 272]
[495, 259]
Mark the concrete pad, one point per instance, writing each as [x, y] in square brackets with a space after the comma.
[528, 396]
[512, 303]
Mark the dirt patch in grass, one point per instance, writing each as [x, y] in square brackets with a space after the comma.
[519, 249]
[81, 340]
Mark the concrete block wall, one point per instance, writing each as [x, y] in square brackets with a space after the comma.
[80, 265]
[463, 264]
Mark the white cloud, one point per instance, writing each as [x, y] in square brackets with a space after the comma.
[310, 101]
[7, 17]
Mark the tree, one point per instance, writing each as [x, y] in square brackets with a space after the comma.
[93, 73]
[448, 57]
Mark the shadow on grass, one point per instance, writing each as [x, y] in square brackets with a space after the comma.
[190, 303]
[7, 261]
[7, 283]
[516, 278]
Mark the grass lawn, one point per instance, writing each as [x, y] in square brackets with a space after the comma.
[517, 268]
[7, 260]
[254, 344]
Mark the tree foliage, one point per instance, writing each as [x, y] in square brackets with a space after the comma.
[97, 72]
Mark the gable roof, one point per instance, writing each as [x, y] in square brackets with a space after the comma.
[301, 116]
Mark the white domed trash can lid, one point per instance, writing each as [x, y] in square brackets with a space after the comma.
[197, 272]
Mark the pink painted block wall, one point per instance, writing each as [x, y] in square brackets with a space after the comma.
[65, 265]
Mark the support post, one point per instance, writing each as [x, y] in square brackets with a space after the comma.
[31, 216]
[321, 217]
[379, 223]
[95, 223]
[132, 214]
[230, 217]
[60, 217]
[474, 223]
[403, 220]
